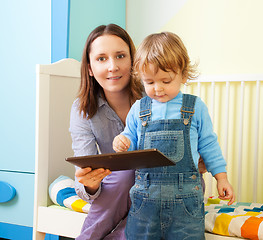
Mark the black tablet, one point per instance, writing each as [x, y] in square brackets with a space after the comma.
[148, 158]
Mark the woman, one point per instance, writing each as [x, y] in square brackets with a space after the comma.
[106, 93]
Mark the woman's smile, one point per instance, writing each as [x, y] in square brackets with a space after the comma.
[114, 78]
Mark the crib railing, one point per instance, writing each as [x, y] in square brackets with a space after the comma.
[234, 105]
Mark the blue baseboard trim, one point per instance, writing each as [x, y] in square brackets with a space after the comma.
[15, 232]
[51, 237]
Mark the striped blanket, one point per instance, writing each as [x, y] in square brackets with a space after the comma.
[244, 220]
[241, 219]
[62, 193]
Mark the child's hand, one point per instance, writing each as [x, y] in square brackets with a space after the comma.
[121, 143]
[224, 188]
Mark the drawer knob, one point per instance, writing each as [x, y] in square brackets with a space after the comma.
[7, 192]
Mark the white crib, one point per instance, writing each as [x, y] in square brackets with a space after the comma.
[234, 104]
[57, 85]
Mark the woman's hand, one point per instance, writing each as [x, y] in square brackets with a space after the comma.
[91, 179]
[121, 143]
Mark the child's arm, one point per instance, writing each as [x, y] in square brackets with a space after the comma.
[224, 188]
[121, 143]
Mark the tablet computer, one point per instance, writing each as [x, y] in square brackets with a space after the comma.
[147, 158]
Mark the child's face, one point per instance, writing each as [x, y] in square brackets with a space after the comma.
[161, 86]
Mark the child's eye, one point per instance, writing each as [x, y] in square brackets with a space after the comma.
[100, 59]
[121, 56]
[166, 82]
[149, 83]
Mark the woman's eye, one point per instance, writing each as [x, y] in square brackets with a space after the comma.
[100, 59]
[121, 56]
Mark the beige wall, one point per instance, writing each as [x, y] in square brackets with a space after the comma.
[224, 36]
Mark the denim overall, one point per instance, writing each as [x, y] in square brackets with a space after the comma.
[167, 202]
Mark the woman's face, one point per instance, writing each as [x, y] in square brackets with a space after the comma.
[110, 63]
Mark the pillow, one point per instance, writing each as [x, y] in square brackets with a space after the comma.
[62, 192]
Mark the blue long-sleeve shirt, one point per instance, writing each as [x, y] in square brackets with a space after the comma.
[202, 137]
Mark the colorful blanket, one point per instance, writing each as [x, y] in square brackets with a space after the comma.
[62, 193]
[244, 220]
[240, 219]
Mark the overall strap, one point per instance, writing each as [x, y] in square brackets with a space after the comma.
[145, 110]
[187, 109]
[145, 116]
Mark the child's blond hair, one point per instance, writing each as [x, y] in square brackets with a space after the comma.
[166, 51]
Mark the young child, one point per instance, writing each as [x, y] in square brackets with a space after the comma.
[167, 202]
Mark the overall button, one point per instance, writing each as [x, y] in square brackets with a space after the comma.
[196, 188]
[186, 121]
[193, 177]
[144, 123]
[136, 186]
[139, 177]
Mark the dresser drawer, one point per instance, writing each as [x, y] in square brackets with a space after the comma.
[18, 210]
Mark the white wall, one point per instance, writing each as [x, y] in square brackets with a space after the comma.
[224, 36]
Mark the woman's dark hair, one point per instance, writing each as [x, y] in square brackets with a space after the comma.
[89, 87]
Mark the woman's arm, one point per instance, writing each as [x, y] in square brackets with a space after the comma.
[87, 181]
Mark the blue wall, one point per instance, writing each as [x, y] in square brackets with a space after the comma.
[60, 13]
[24, 42]
[35, 32]
[25, 30]
[72, 21]
[85, 15]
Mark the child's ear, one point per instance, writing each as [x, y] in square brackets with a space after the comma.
[90, 71]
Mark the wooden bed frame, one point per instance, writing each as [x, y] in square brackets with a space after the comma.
[57, 85]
